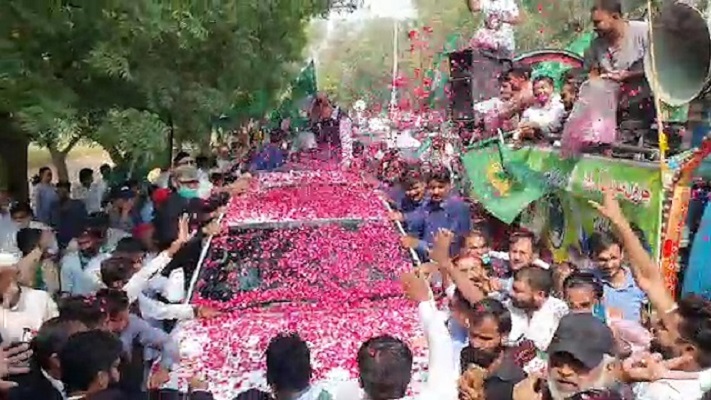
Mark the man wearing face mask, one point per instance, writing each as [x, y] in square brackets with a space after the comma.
[489, 326]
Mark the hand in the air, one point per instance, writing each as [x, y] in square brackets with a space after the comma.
[416, 288]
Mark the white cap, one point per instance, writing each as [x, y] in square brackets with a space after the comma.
[8, 259]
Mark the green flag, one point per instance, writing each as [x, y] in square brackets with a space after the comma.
[303, 87]
[495, 187]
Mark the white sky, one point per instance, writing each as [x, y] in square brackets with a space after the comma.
[400, 9]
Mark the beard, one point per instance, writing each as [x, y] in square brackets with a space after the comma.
[605, 382]
[666, 352]
[480, 357]
[525, 305]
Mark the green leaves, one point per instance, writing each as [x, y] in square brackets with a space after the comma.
[120, 73]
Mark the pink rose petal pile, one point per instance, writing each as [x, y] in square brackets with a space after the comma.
[336, 285]
[230, 350]
[311, 200]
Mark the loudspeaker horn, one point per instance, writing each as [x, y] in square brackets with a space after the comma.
[682, 53]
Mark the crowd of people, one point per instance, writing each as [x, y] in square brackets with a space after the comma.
[93, 280]
[616, 101]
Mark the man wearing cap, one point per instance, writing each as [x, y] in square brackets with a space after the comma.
[184, 199]
[581, 358]
[121, 210]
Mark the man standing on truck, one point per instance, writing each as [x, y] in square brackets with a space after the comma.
[617, 54]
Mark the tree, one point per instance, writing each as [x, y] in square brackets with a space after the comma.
[123, 74]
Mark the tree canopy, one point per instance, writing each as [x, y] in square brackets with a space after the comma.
[124, 74]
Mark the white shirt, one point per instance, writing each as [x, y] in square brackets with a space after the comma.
[442, 379]
[539, 329]
[34, 308]
[138, 282]
[669, 389]
[345, 133]
[157, 310]
[91, 196]
[172, 288]
[549, 117]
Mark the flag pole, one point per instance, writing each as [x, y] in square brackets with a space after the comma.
[393, 92]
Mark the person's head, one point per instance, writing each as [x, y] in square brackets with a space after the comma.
[582, 291]
[560, 272]
[131, 249]
[288, 364]
[116, 304]
[86, 309]
[606, 17]
[692, 335]
[29, 239]
[144, 233]
[571, 84]
[489, 326]
[522, 249]
[45, 175]
[606, 252]
[531, 287]
[64, 190]
[505, 88]
[414, 184]
[202, 162]
[90, 362]
[471, 266]
[439, 183]
[89, 241]
[50, 340]
[86, 177]
[518, 77]
[100, 223]
[384, 367]
[477, 244]
[22, 214]
[543, 87]
[105, 170]
[9, 286]
[116, 271]
[122, 197]
[186, 181]
[581, 356]
[183, 158]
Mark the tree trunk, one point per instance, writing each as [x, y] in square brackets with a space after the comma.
[115, 154]
[59, 159]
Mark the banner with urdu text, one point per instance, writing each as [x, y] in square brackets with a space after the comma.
[551, 193]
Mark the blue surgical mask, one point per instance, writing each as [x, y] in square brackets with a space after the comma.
[188, 193]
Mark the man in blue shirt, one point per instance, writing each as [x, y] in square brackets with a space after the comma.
[271, 156]
[441, 210]
[408, 195]
[620, 290]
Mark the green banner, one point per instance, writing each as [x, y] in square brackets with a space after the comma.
[502, 195]
[561, 189]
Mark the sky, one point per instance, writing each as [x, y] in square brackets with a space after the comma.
[400, 9]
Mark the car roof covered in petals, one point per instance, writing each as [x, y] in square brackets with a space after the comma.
[309, 252]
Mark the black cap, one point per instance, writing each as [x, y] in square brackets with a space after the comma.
[584, 337]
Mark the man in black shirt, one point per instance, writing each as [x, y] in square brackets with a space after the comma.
[489, 326]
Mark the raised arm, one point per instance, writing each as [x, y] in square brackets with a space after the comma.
[645, 270]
